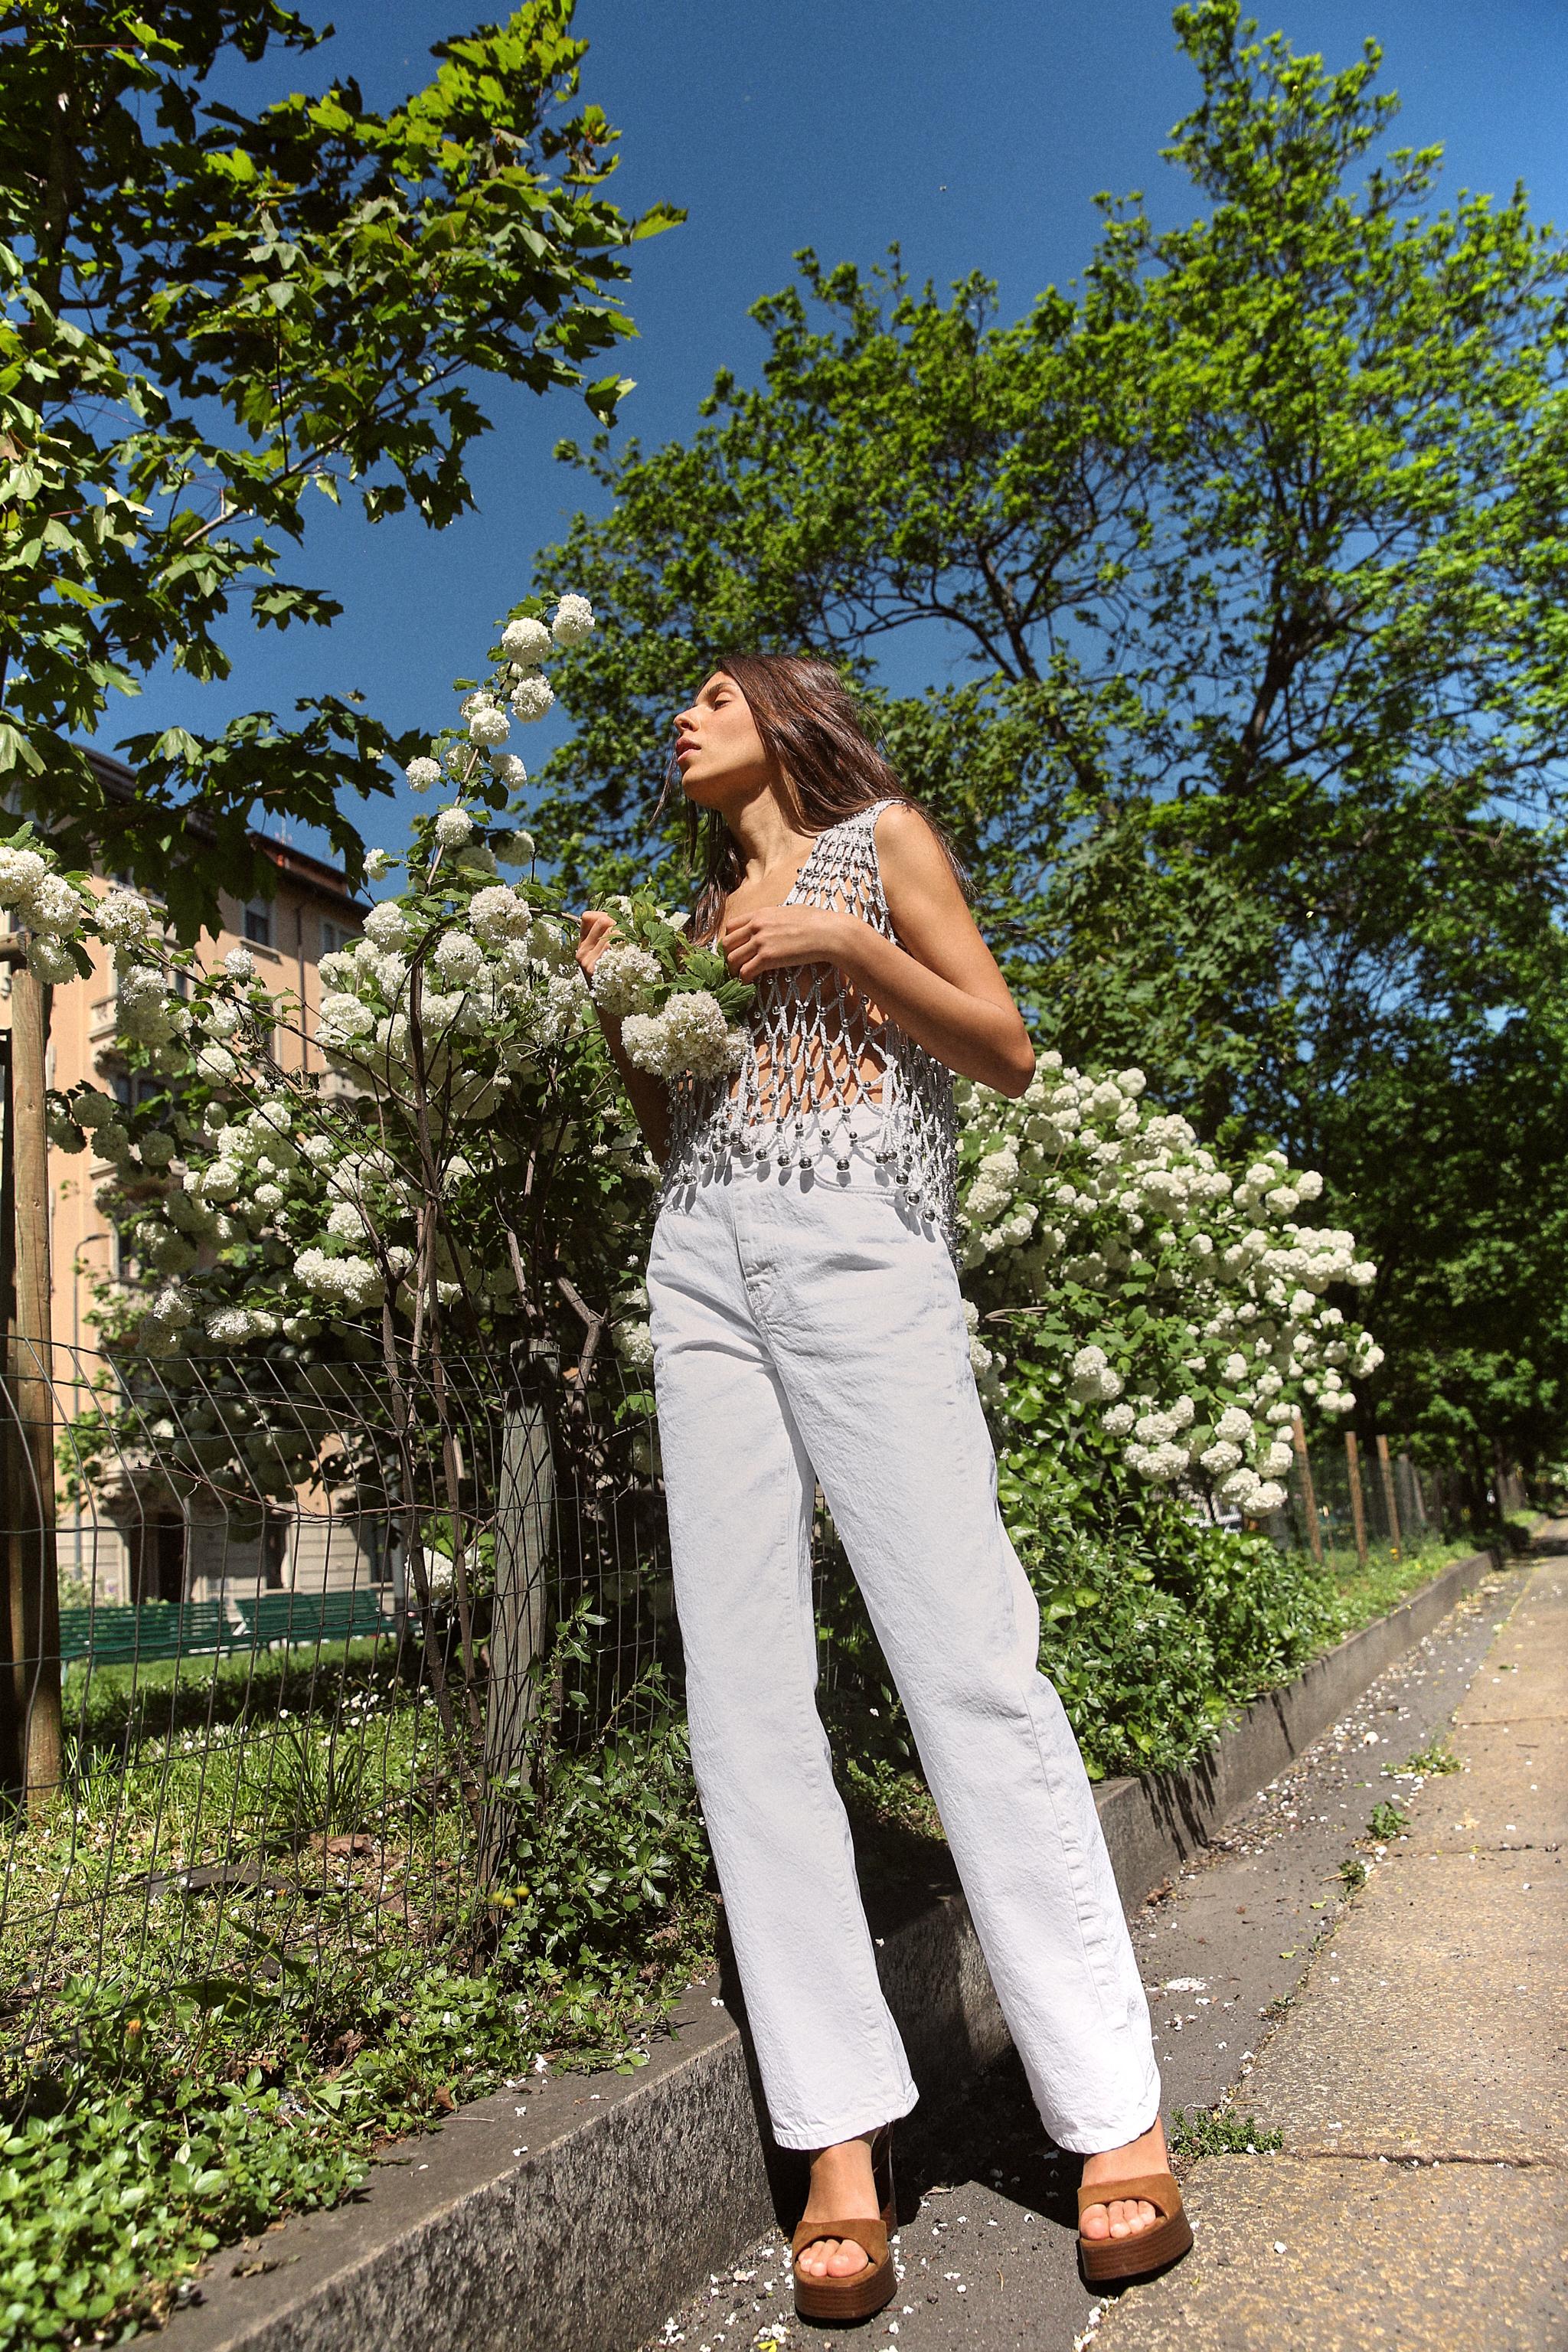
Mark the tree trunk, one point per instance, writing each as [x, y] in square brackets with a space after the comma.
[35, 1599]
[524, 1546]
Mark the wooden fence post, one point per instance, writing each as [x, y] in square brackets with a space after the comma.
[33, 1572]
[1391, 1500]
[1358, 1500]
[1314, 1532]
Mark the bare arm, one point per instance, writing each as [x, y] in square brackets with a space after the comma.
[938, 980]
[645, 1093]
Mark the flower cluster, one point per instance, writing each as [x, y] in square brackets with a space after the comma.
[49, 904]
[678, 1006]
[1144, 1284]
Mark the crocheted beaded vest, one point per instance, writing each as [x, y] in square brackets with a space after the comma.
[826, 1080]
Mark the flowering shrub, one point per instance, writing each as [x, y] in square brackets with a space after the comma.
[1138, 1308]
[464, 1148]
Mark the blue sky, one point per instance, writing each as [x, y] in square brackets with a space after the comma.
[976, 139]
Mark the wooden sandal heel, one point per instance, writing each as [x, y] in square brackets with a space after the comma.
[1142, 2250]
[864, 2291]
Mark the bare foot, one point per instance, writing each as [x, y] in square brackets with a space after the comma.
[843, 2189]
[1124, 2217]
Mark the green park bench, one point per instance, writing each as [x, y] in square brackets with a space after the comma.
[310, 1618]
[157, 1631]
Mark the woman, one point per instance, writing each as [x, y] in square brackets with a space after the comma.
[808, 1328]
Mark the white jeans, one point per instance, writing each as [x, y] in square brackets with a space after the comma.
[811, 1324]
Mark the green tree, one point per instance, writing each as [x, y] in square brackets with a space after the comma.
[1246, 559]
[211, 316]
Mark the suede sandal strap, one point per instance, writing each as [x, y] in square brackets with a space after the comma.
[870, 2236]
[1157, 2189]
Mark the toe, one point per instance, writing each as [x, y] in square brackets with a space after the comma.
[1095, 2221]
[848, 2258]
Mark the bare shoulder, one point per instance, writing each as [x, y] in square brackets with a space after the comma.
[909, 851]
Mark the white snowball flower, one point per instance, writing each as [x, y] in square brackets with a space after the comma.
[269, 1197]
[1220, 1458]
[351, 1281]
[623, 978]
[688, 1038]
[348, 1222]
[496, 913]
[458, 958]
[508, 770]
[387, 926]
[1119, 1420]
[574, 622]
[422, 773]
[341, 1020]
[239, 963]
[157, 1148]
[526, 642]
[489, 727]
[515, 848]
[230, 1324]
[21, 871]
[1234, 1426]
[1275, 1459]
[172, 1308]
[126, 920]
[532, 695]
[51, 905]
[454, 827]
[50, 960]
[378, 864]
[634, 1345]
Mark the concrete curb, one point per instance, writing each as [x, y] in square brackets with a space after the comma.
[528, 2221]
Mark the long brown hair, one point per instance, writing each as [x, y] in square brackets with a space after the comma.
[830, 761]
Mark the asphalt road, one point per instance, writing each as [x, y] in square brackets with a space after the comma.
[987, 2235]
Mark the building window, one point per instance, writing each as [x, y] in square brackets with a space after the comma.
[335, 937]
[258, 923]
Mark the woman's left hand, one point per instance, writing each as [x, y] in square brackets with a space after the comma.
[772, 938]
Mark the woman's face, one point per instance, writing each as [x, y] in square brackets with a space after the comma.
[721, 758]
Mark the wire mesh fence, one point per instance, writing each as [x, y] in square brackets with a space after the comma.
[319, 1631]
[312, 1635]
[1346, 1500]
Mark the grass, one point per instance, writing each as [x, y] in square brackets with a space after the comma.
[1219, 2131]
[1426, 1763]
[1388, 1576]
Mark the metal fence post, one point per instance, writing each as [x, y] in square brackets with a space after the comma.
[1310, 1499]
[1391, 1500]
[1358, 1500]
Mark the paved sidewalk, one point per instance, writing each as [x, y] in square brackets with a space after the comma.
[986, 2248]
[1420, 2079]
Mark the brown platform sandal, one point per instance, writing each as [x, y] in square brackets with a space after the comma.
[864, 2291]
[1142, 2250]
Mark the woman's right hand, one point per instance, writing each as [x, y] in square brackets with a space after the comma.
[597, 930]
